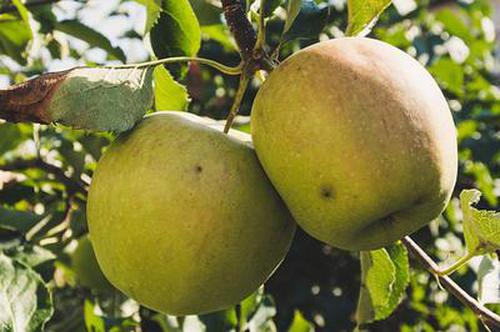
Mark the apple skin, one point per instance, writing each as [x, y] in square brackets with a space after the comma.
[359, 141]
[88, 273]
[183, 218]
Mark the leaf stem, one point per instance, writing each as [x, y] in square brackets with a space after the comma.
[455, 266]
[488, 317]
[212, 63]
[244, 80]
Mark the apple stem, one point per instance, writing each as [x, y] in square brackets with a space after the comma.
[488, 317]
[244, 80]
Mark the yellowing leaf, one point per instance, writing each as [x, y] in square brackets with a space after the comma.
[363, 14]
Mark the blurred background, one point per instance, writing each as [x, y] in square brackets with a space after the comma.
[44, 168]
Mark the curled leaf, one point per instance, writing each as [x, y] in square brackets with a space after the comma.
[27, 101]
[97, 99]
[385, 275]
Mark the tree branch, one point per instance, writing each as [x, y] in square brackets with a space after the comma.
[489, 318]
[73, 185]
[240, 27]
[30, 4]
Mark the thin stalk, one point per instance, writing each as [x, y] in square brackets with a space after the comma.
[455, 266]
[244, 80]
[212, 63]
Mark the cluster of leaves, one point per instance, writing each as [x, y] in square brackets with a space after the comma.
[47, 169]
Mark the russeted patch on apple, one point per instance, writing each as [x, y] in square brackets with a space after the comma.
[359, 141]
[183, 218]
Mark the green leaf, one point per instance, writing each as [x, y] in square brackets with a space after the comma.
[270, 6]
[488, 278]
[206, 12]
[449, 74]
[481, 227]
[220, 321]
[11, 136]
[20, 221]
[25, 301]
[15, 33]
[455, 25]
[219, 33]
[176, 33]
[300, 324]
[89, 35]
[385, 276]
[308, 22]
[93, 322]
[363, 14]
[102, 99]
[169, 95]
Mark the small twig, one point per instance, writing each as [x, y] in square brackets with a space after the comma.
[73, 185]
[244, 80]
[31, 4]
[489, 317]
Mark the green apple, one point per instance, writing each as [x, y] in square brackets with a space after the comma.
[359, 141]
[183, 218]
[88, 273]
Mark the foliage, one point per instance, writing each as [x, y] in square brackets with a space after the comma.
[47, 168]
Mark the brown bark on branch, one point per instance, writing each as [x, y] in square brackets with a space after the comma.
[489, 318]
[73, 185]
[240, 27]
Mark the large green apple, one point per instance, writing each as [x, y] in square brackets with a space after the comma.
[183, 218]
[88, 273]
[359, 141]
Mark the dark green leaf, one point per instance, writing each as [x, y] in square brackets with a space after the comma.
[20, 221]
[308, 22]
[10, 137]
[91, 36]
[176, 33]
[206, 13]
